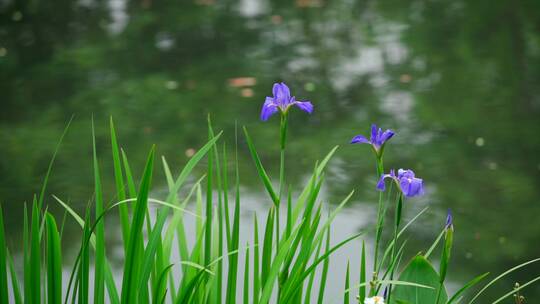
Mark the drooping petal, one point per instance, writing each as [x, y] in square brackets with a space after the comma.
[282, 94]
[305, 106]
[269, 108]
[360, 139]
[386, 136]
[380, 184]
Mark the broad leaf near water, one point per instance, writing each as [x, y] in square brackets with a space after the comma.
[418, 271]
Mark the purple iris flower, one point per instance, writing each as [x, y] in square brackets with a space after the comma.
[282, 101]
[377, 140]
[406, 181]
[449, 219]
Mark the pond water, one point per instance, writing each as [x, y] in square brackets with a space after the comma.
[458, 81]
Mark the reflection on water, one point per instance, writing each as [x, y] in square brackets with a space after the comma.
[458, 81]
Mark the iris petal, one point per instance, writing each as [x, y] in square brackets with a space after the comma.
[360, 139]
[269, 108]
[386, 136]
[380, 183]
[282, 94]
[373, 138]
[305, 106]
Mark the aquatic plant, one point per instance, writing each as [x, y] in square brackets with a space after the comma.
[280, 262]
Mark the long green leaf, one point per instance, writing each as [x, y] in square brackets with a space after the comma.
[14, 280]
[362, 289]
[298, 281]
[35, 260]
[260, 169]
[347, 293]
[465, 287]
[26, 258]
[268, 286]
[99, 281]
[307, 190]
[120, 187]
[516, 290]
[267, 247]
[503, 275]
[129, 288]
[233, 260]
[256, 268]
[155, 234]
[54, 262]
[324, 274]
[51, 163]
[246, 276]
[84, 267]
[3, 259]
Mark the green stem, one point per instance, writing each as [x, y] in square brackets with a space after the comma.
[438, 293]
[378, 228]
[282, 140]
[399, 203]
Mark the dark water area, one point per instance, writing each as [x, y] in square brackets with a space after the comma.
[459, 82]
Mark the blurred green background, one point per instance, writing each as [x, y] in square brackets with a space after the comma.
[459, 81]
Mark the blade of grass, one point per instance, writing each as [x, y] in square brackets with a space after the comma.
[162, 284]
[309, 286]
[26, 258]
[99, 281]
[347, 295]
[233, 259]
[503, 275]
[226, 195]
[84, 267]
[298, 282]
[209, 194]
[155, 234]
[129, 288]
[14, 280]
[267, 247]
[307, 190]
[256, 276]
[324, 274]
[516, 290]
[246, 276]
[260, 169]
[269, 283]
[35, 260]
[434, 245]
[3, 258]
[51, 163]
[54, 261]
[362, 289]
[217, 281]
[465, 287]
[109, 280]
[120, 187]
[391, 245]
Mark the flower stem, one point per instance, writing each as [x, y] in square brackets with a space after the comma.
[438, 293]
[379, 227]
[283, 141]
[399, 204]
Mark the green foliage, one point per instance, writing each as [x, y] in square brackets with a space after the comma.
[54, 261]
[281, 265]
[418, 271]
